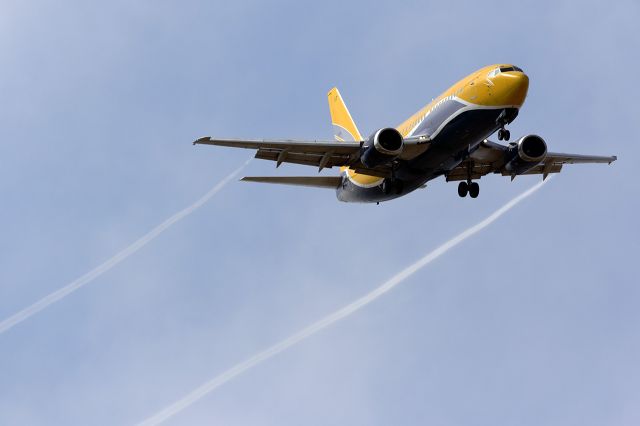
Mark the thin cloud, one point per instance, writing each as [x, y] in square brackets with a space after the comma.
[85, 279]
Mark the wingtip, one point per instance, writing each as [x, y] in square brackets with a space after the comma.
[201, 140]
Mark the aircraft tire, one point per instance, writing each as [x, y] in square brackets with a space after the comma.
[463, 189]
[474, 189]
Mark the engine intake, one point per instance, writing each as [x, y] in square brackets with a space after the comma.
[527, 153]
[383, 146]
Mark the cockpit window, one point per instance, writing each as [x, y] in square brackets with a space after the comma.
[497, 71]
[512, 68]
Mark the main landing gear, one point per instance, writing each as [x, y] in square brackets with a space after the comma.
[392, 186]
[471, 188]
[503, 119]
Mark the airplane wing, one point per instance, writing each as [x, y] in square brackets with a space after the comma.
[320, 154]
[558, 157]
[490, 158]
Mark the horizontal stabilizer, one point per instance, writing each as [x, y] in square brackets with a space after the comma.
[316, 181]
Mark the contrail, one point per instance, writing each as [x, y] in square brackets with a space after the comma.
[238, 369]
[95, 273]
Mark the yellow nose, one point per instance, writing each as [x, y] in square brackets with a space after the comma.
[512, 87]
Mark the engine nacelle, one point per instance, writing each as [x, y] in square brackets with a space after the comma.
[525, 154]
[383, 146]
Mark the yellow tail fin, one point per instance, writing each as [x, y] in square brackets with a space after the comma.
[344, 129]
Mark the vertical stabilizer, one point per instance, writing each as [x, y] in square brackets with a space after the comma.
[344, 129]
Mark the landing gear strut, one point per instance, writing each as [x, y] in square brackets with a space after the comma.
[392, 186]
[503, 120]
[471, 188]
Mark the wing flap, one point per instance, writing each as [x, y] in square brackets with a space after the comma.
[541, 169]
[318, 159]
[469, 168]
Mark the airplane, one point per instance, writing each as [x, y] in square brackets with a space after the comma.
[448, 137]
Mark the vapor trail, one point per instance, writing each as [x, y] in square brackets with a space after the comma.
[238, 369]
[47, 301]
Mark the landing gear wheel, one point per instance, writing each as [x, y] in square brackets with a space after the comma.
[504, 135]
[463, 189]
[474, 189]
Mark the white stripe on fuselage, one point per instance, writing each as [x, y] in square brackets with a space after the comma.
[468, 107]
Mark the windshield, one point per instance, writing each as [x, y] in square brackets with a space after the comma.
[512, 68]
[498, 70]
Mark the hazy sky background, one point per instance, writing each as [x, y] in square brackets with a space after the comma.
[534, 321]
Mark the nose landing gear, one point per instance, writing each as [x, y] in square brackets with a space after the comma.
[504, 134]
[505, 118]
[471, 188]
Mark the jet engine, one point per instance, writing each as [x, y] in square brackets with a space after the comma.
[525, 154]
[383, 146]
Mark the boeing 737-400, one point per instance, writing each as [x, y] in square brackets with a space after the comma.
[448, 137]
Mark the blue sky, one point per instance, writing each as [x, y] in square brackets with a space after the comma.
[532, 322]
